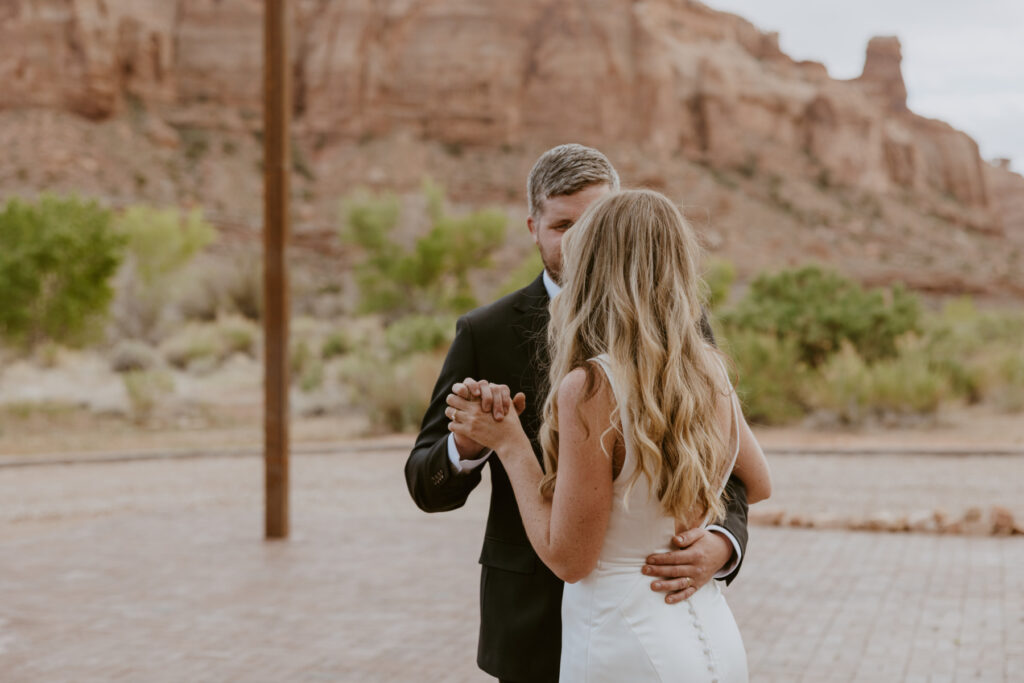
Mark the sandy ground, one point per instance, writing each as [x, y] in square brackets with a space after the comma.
[84, 432]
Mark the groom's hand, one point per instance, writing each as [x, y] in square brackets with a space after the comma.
[681, 573]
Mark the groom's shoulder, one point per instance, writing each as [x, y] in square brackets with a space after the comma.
[494, 312]
[507, 308]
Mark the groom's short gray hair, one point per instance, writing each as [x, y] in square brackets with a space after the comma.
[567, 169]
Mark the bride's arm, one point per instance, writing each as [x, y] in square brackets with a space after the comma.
[567, 531]
[751, 465]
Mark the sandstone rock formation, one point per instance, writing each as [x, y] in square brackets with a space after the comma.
[657, 81]
[670, 76]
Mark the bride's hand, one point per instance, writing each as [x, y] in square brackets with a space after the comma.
[497, 431]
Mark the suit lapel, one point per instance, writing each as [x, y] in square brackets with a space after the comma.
[530, 328]
[531, 305]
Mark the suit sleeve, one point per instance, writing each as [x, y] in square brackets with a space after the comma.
[736, 520]
[735, 492]
[433, 483]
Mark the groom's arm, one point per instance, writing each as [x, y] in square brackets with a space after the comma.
[434, 483]
[733, 527]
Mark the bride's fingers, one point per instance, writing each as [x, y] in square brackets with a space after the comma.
[502, 402]
[472, 386]
[460, 389]
[486, 397]
[458, 402]
[519, 402]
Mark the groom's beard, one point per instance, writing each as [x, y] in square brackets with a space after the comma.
[554, 269]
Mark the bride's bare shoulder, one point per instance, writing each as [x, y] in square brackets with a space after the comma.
[585, 388]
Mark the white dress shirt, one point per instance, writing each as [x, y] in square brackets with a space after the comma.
[465, 466]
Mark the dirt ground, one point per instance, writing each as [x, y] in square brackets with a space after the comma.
[81, 431]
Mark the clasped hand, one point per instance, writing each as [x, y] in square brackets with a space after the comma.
[483, 412]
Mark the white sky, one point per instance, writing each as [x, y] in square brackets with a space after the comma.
[963, 60]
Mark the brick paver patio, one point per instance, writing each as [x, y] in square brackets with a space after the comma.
[156, 571]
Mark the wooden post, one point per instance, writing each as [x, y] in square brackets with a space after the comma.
[276, 171]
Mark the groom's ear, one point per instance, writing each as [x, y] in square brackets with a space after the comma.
[532, 225]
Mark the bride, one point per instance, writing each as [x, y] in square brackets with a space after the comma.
[641, 431]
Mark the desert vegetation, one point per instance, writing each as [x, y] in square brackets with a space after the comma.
[166, 318]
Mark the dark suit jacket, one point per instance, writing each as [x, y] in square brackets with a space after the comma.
[520, 598]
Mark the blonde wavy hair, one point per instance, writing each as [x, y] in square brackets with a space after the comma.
[631, 290]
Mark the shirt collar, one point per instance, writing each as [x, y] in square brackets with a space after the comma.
[550, 285]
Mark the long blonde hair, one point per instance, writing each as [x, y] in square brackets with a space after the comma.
[631, 290]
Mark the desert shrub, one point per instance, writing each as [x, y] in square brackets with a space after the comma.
[237, 335]
[901, 385]
[132, 356]
[820, 309]
[194, 342]
[430, 275]
[224, 284]
[1010, 394]
[336, 344]
[205, 345]
[57, 257]
[417, 333]
[718, 280]
[305, 367]
[771, 379]
[525, 273]
[160, 242]
[977, 352]
[47, 409]
[47, 354]
[395, 394]
[145, 389]
[313, 375]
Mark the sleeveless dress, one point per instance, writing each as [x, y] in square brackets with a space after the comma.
[615, 629]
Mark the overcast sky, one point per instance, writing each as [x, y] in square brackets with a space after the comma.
[963, 60]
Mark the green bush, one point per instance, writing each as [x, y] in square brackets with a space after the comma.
[820, 310]
[1010, 394]
[57, 257]
[336, 344]
[718, 281]
[417, 333]
[205, 345]
[160, 243]
[394, 393]
[145, 389]
[771, 379]
[431, 275]
[901, 385]
[976, 352]
[525, 273]
[305, 367]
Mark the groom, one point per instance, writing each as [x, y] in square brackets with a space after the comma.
[504, 342]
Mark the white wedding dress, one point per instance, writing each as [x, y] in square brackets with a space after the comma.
[615, 629]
